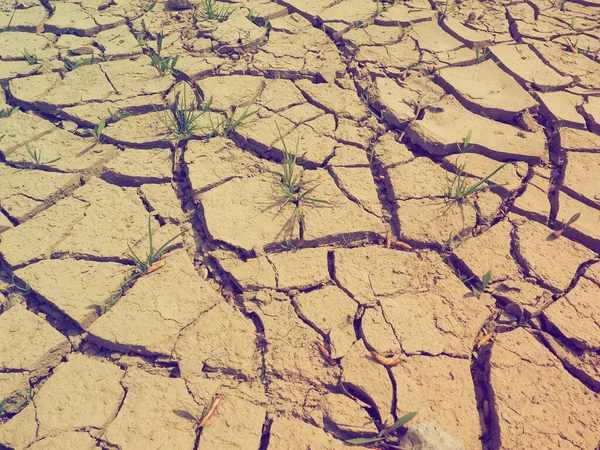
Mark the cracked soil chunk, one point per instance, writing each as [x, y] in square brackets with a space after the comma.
[492, 250]
[150, 316]
[332, 313]
[581, 177]
[248, 204]
[70, 439]
[28, 343]
[73, 285]
[20, 431]
[254, 217]
[445, 320]
[367, 380]
[346, 417]
[301, 269]
[486, 89]
[529, 386]
[577, 315]
[416, 179]
[424, 380]
[533, 246]
[24, 192]
[153, 414]
[136, 167]
[237, 425]
[433, 221]
[293, 434]
[292, 352]
[81, 393]
[222, 339]
[440, 132]
[522, 63]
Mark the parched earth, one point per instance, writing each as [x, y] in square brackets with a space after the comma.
[323, 317]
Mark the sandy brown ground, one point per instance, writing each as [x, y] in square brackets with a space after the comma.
[388, 103]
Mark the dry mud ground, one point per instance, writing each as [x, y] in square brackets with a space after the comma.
[390, 103]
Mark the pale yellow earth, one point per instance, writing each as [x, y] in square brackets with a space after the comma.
[299, 322]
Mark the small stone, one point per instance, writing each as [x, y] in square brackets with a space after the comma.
[428, 436]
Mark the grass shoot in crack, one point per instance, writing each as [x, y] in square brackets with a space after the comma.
[164, 65]
[293, 189]
[35, 159]
[98, 129]
[460, 188]
[213, 10]
[144, 265]
[226, 126]
[180, 118]
[7, 112]
[386, 438]
[31, 59]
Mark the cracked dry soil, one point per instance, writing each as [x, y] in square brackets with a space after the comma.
[381, 97]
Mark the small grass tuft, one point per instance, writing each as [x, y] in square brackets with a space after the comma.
[227, 125]
[35, 159]
[153, 255]
[294, 189]
[74, 65]
[459, 188]
[31, 59]
[162, 64]
[180, 119]
[213, 10]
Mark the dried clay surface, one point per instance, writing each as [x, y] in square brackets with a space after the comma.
[287, 224]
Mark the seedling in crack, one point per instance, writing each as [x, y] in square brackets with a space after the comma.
[7, 112]
[112, 301]
[98, 129]
[485, 283]
[180, 119]
[213, 10]
[144, 266]
[558, 233]
[26, 289]
[388, 437]
[25, 398]
[228, 124]
[460, 188]
[294, 189]
[31, 59]
[209, 410]
[118, 115]
[35, 159]
[164, 65]
[7, 27]
[445, 9]
[73, 65]
[466, 145]
[107, 305]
